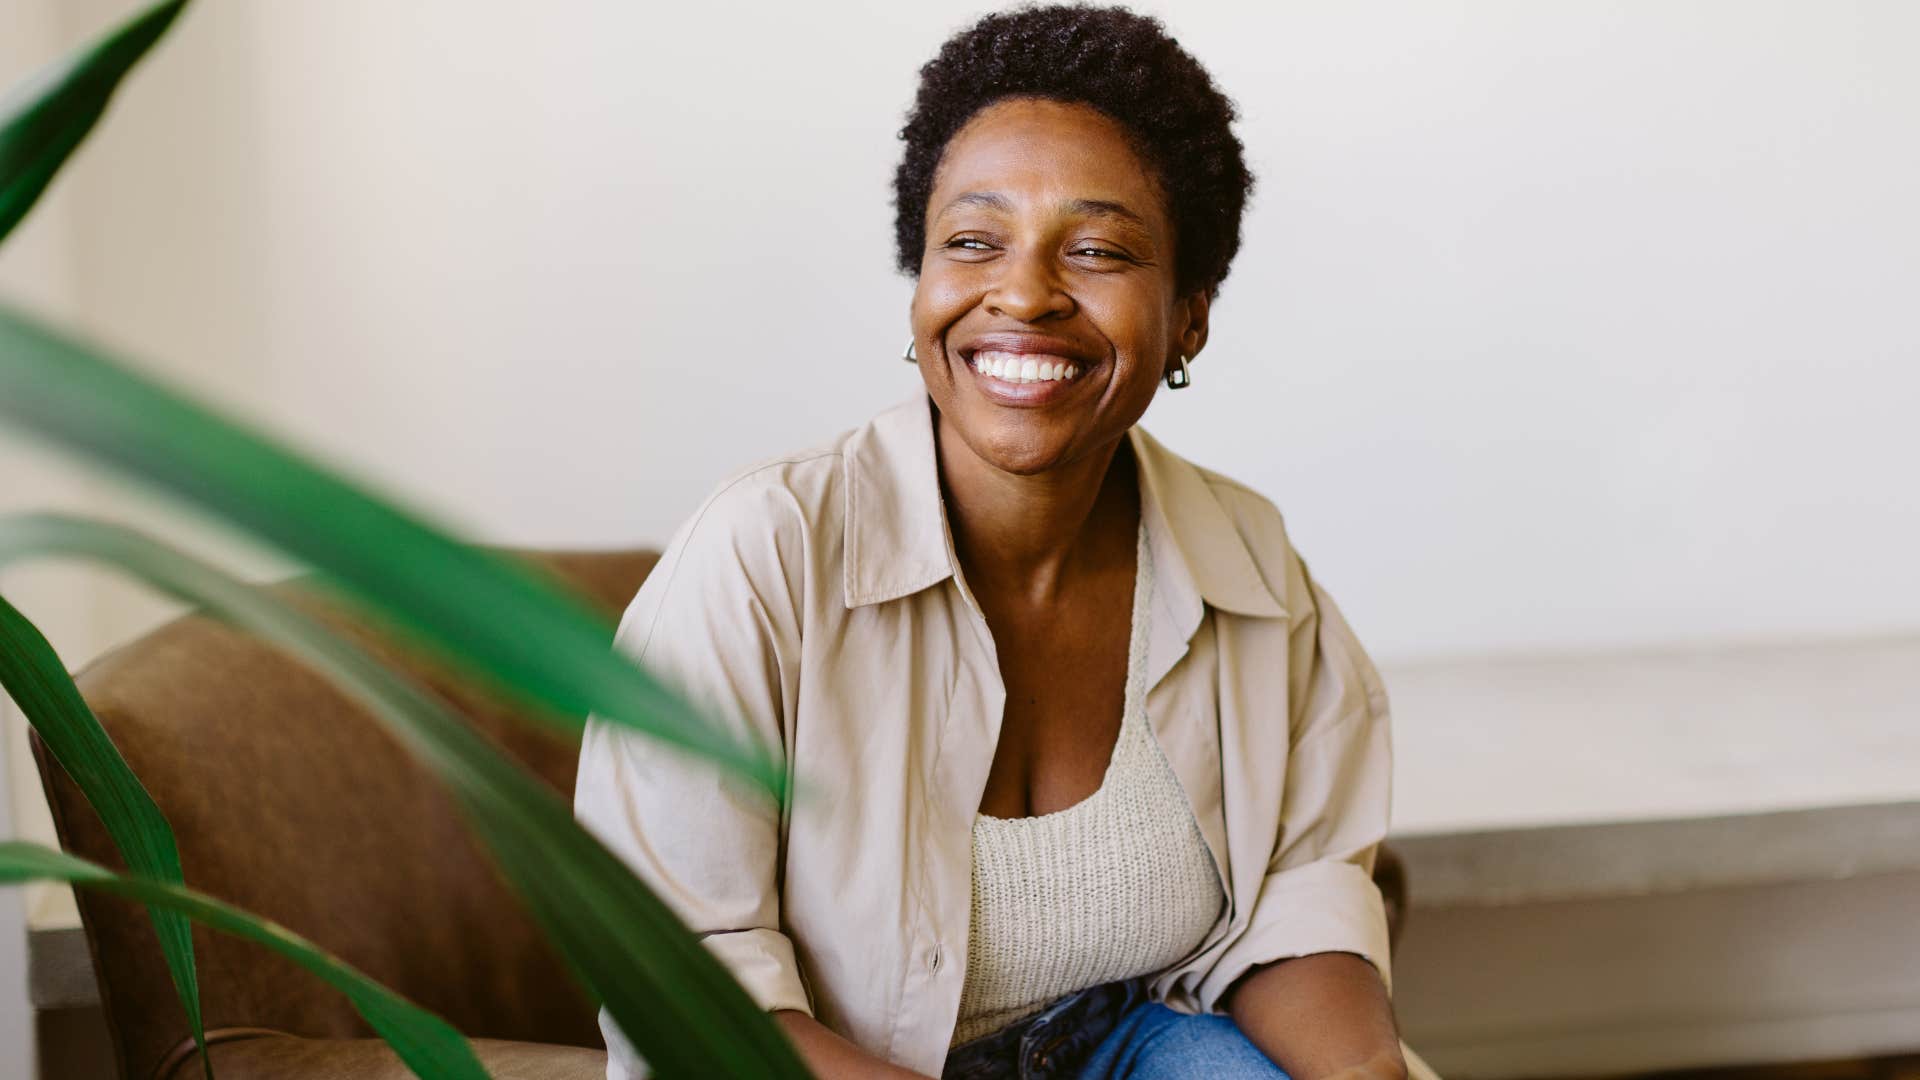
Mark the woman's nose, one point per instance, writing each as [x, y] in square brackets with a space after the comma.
[1028, 289]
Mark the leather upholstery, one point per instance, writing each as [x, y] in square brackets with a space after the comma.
[290, 801]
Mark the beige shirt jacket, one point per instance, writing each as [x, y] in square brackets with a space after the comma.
[815, 602]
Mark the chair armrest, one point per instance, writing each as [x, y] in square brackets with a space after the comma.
[260, 1054]
[1390, 873]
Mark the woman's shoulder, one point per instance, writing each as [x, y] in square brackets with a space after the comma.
[1254, 514]
[1208, 500]
[801, 490]
[809, 495]
[1170, 468]
[774, 530]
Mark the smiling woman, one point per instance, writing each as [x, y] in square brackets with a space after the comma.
[1111, 770]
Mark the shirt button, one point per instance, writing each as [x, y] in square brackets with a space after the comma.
[933, 959]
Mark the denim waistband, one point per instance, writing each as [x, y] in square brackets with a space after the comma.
[1054, 1042]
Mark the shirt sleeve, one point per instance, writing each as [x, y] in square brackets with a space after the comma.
[1318, 894]
[718, 620]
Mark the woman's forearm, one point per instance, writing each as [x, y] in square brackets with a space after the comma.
[1320, 1016]
[832, 1057]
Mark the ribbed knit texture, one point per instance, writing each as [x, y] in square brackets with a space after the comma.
[1117, 885]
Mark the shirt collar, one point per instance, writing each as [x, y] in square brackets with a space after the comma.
[897, 542]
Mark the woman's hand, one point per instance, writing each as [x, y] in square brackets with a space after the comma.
[1320, 1017]
[832, 1057]
[1394, 1068]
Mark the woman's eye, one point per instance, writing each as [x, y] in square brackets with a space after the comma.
[1100, 252]
[968, 243]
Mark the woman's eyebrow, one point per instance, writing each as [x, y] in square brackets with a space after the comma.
[1104, 208]
[990, 200]
[993, 200]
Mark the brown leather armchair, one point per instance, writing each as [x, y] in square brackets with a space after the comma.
[291, 802]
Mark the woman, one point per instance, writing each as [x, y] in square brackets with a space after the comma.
[1096, 773]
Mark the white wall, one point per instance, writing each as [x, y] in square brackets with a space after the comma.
[1556, 325]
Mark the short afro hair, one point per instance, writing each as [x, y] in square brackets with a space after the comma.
[1114, 60]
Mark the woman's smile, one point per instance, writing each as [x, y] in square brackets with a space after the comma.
[1025, 382]
[1026, 370]
[1016, 368]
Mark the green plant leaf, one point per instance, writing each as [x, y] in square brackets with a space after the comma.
[670, 997]
[494, 617]
[428, 1044]
[43, 120]
[34, 677]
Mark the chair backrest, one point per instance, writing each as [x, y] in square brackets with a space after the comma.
[291, 801]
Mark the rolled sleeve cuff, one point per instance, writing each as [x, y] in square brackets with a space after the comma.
[762, 961]
[1329, 906]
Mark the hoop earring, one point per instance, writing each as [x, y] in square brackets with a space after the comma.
[909, 356]
[1180, 378]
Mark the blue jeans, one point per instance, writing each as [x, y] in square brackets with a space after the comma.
[1112, 1032]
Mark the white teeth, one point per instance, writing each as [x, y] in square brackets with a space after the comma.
[1014, 368]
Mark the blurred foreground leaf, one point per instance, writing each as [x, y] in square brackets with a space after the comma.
[680, 1008]
[44, 119]
[37, 681]
[483, 612]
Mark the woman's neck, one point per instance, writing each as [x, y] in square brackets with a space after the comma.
[1031, 537]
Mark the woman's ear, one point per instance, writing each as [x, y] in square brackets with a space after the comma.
[1192, 336]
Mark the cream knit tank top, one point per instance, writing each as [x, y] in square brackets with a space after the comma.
[1115, 886]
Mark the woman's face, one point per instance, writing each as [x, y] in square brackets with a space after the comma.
[1049, 253]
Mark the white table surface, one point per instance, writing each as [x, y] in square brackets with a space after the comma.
[1489, 744]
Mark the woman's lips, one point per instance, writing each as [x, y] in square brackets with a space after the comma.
[1024, 379]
